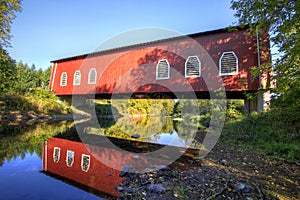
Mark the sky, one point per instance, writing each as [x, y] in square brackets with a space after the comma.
[47, 30]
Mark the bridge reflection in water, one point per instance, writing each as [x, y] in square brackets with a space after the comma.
[95, 164]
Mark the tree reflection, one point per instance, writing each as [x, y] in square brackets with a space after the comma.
[21, 139]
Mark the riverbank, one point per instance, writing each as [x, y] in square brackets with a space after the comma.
[38, 104]
[228, 172]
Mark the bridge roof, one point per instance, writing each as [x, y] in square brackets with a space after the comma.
[133, 46]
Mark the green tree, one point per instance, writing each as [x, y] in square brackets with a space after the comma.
[7, 72]
[8, 9]
[282, 20]
[45, 78]
[26, 78]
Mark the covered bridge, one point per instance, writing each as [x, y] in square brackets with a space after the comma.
[175, 67]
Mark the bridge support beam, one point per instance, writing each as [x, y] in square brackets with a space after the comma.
[258, 103]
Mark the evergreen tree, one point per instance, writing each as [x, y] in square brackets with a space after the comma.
[7, 73]
[46, 78]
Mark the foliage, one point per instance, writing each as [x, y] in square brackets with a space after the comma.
[38, 101]
[47, 102]
[8, 8]
[276, 132]
[124, 127]
[21, 78]
[182, 106]
[28, 78]
[282, 20]
[153, 107]
[7, 73]
[235, 109]
[21, 139]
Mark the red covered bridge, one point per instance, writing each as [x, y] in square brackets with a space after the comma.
[197, 63]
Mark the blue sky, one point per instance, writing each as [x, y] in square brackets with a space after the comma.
[51, 29]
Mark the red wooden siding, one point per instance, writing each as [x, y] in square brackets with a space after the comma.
[133, 69]
[99, 176]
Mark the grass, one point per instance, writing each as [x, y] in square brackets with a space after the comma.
[275, 132]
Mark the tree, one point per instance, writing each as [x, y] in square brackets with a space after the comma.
[7, 65]
[282, 20]
[8, 8]
[46, 78]
[7, 72]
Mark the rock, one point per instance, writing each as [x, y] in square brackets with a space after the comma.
[127, 190]
[136, 157]
[126, 169]
[157, 188]
[224, 162]
[135, 136]
[119, 188]
[248, 189]
[241, 187]
[163, 167]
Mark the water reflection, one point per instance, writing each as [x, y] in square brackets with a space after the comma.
[21, 163]
[79, 167]
[20, 139]
[80, 154]
[158, 130]
[95, 166]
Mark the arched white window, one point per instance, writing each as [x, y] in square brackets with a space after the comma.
[228, 64]
[77, 78]
[63, 79]
[92, 76]
[85, 162]
[56, 154]
[192, 67]
[70, 158]
[163, 69]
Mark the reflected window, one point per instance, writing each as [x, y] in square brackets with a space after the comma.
[85, 162]
[56, 154]
[192, 67]
[63, 79]
[70, 158]
[163, 69]
[77, 78]
[92, 76]
[228, 64]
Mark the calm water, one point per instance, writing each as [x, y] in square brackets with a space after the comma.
[70, 160]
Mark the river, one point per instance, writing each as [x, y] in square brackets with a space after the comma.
[83, 159]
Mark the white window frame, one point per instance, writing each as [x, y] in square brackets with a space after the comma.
[63, 74]
[185, 67]
[220, 64]
[68, 156]
[56, 148]
[162, 78]
[82, 156]
[89, 76]
[79, 77]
